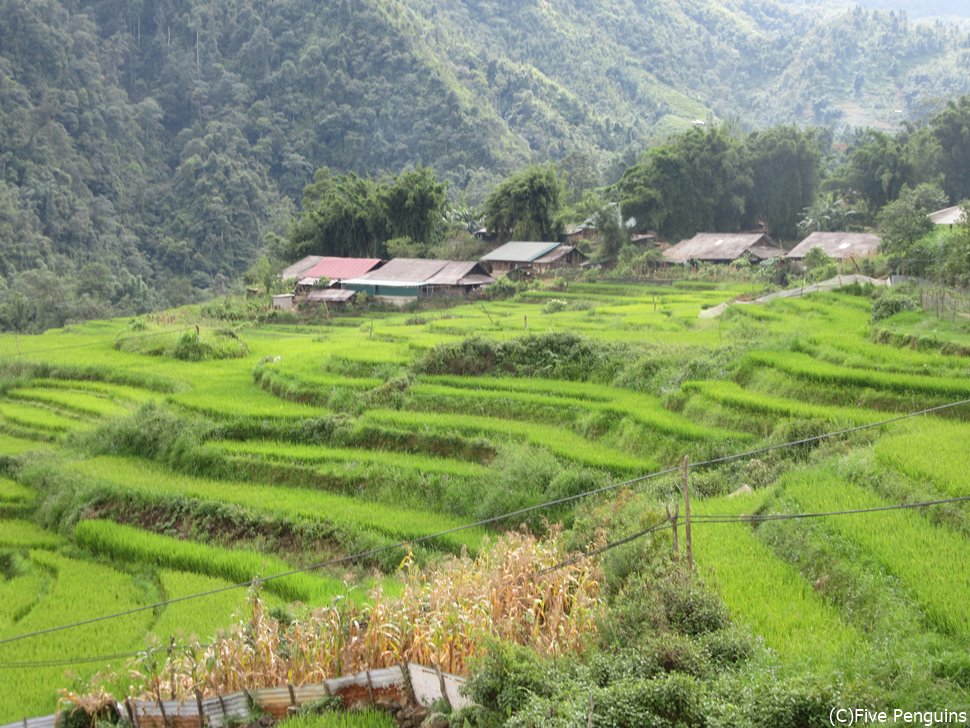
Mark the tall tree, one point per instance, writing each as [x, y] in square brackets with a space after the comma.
[785, 166]
[951, 127]
[698, 181]
[878, 166]
[904, 222]
[356, 216]
[526, 206]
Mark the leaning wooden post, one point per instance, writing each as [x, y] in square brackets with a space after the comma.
[687, 544]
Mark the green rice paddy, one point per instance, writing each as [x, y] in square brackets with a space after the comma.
[332, 430]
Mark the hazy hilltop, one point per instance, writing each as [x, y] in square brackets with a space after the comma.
[149, 149]
[912, 8]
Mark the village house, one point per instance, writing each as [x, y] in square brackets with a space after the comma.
[532, 257]
[723, 248]
[840, 246]
[334, 270]
[295, 271]
[402, 280]
[948, 216]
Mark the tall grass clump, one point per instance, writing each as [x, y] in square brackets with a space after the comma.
[188, 345]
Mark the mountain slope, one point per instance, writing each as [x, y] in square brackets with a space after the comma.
[168, 141]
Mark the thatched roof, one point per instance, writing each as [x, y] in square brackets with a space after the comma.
[723, 247]
[838, 245]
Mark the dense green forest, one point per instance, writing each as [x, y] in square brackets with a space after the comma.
[150, 151]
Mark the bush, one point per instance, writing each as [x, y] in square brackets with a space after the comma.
[668, 700]
[506, 676]
[794, 703]
[890, 302]
[560, 355]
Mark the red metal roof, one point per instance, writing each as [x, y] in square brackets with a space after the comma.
[338, 269]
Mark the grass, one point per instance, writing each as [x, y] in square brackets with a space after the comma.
[733, 395]
[81, 403]
[13, 492]
[931, 451]
[767, 593]
[809, 358]
[38, 418]
[128, 544]
[23, 534]
[200, 618]
[806, 367]
[12, 446]
[116, 392]
[69, 598]
[355, 719]
[285, 451]
[564, 443]
[349, 514]
[929, 561]
[19, 593]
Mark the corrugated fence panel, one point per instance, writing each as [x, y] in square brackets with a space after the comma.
[427, 685]
[222, 710]
[48, 721]
[384, 685]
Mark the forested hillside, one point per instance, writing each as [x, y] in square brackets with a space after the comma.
[150, 150]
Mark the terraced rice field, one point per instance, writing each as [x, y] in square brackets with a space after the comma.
[330, 439]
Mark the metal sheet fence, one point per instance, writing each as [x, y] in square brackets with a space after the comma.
[392, 686]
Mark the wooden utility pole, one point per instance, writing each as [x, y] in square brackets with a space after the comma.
[687, 545]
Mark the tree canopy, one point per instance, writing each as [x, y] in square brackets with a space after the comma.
[526, 206]
[348, 215]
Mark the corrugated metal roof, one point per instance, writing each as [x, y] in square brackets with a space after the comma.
[838, 245]
[458, 273]
[520, 252]
[297, 269]
[338, 269]
[948, 216]
[556, 254]
[416, 272]
[722, 246]
[403, 271]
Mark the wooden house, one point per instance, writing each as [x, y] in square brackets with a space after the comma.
[532, 257]
[841, 246]
[723, 248]
[401, 280]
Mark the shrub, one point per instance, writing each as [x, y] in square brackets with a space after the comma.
[559, 355]
[890, 302]
[503, 679]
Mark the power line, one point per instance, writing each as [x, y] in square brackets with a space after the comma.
[603, 549]
[478, 524]
[711, 519]
[662, 526]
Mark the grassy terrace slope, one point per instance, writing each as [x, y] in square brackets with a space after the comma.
[317, 441]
